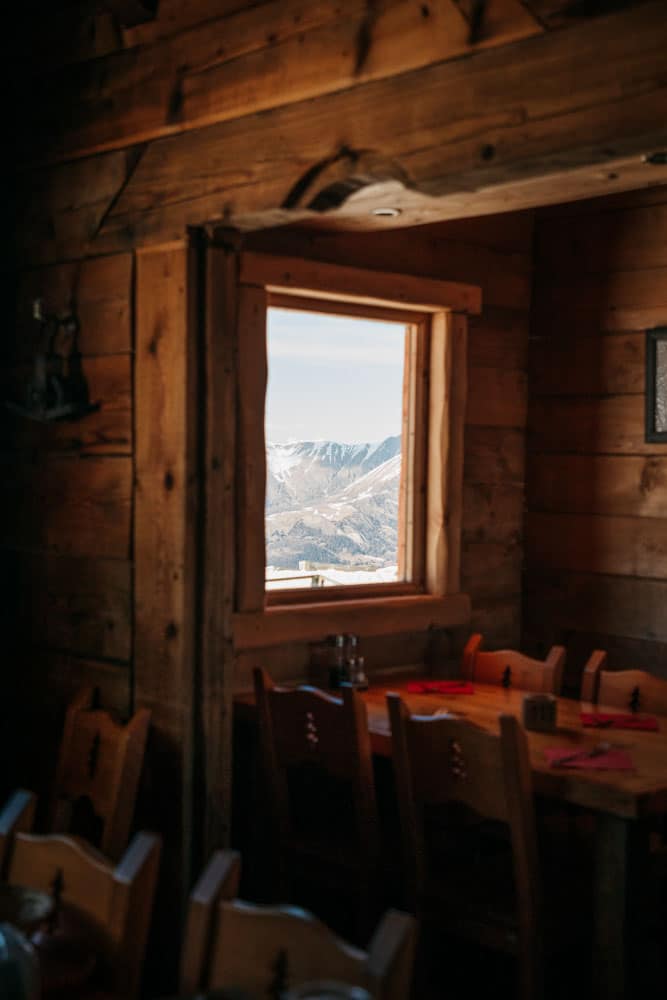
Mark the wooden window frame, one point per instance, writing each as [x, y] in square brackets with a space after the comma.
[436, 313]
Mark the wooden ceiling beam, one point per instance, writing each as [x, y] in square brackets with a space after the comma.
[541, 119]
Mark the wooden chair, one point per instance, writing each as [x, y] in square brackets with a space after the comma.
[513, 668]
[317, 763]
[17, 816]
[442, 763]
[628, 690]
[97, 775]
[100, 761]
[259, 949]
[115, 902]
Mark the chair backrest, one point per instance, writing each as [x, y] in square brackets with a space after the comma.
[117, 901]
[630, 690]
[263, 950]
[306, 726]
[100, 761]
[513, 668]
[442, 759]
[17, 816]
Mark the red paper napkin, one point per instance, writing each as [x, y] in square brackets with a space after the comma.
[610, 760]
[440, 687]
[617, 720]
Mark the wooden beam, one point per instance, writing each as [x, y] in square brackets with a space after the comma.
[251, 453]
[250, 61]
[537, 133]
[219, 568]
[534, 124]
[389, 616]
[333, 281]
[165, 544]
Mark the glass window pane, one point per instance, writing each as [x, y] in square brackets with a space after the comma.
[334, 415]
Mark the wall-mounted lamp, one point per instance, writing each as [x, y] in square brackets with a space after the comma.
[58, 389]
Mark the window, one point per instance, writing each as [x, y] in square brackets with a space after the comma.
[293, 317]
[345, 393]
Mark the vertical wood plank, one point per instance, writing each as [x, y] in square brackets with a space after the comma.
[164, 540]
[447, 403]
[251, 458]
[219, 540]
[458, 395]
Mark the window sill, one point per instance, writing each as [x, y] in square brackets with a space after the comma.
[275, 626]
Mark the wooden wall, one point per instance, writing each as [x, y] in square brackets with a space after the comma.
[596, 528]
[494, 253]
[67, 501]
[225, 112]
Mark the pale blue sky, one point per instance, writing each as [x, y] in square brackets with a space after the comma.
[333, 378]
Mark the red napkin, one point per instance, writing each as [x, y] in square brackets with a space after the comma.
[617, 720]
[610, 760]
[440, 687]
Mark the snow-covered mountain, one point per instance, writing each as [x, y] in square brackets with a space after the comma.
[332, 504]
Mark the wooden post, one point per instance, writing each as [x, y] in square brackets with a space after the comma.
[218, 541]
[165, 527]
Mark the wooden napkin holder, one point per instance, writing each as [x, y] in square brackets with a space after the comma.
[539, 712]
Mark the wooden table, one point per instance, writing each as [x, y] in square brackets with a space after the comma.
[622, 800]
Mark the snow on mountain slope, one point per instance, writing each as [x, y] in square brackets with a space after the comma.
[333, 504]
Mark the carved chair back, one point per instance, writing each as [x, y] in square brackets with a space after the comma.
[512, 668]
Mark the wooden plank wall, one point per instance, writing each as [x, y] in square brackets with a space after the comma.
[495, 253]
[66, 502]
[596, 529]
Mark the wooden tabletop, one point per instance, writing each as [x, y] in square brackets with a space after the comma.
[627, 794]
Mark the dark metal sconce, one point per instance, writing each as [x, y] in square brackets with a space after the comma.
[656, 385]
[58, 389]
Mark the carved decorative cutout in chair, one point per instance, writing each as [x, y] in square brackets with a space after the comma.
[99, 763]
[628, 690]
[318, 767]
[512, 668]
[444, 768]
[111, 906]
[263, 950]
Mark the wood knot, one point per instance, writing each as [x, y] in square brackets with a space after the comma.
[169, 481]
[171, 631]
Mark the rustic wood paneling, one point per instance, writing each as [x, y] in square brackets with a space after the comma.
[588, 365]
[77, 604]
[165, 540]
[598, 484]
[66, 506]
[494, 455]
[589, 425]
[492, 570]
[282, 52]
[492, 513]
[596, 602]
[219, 546]
[626, 546]
[596, 528]
[496, 397]
[625, 237]
[105, 430]
[100, 287]
[533, 124]
[428, 251]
